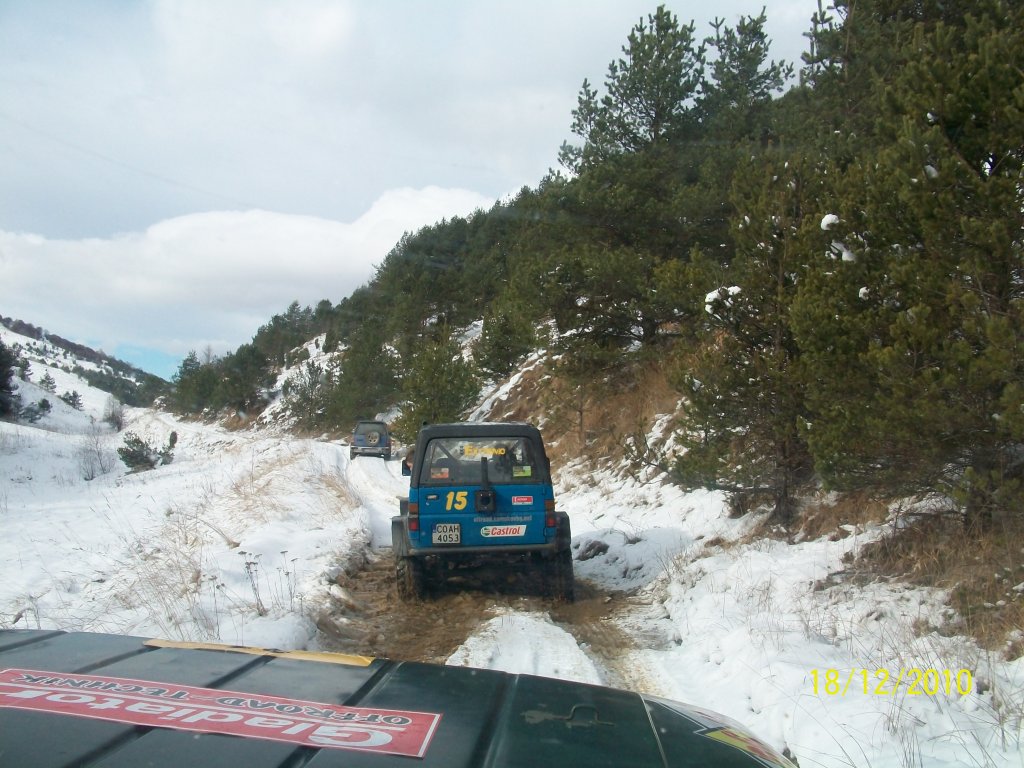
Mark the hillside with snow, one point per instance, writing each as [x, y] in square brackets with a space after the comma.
[260, 538]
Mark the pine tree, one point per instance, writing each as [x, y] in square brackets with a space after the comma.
[618, 220]
[930, 312]
[506, 337]
[735, 97]
[305, 393]
[139, 455]
[439, 385]
[73, 399]
[194, 384]
[9, 404]
[646, 191]
[244, 376]
[744, 382]
[648, 96]
[136, 453]
[603, 295]
[367, 379]
[284, 332]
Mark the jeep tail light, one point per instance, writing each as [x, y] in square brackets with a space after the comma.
[414, 516]
[550, 521]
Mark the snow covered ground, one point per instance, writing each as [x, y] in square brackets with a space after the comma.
[238, 540]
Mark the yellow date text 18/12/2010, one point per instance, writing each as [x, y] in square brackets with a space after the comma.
[910, 681]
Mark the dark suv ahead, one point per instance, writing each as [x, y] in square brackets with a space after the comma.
[480, 495]
[370, 438]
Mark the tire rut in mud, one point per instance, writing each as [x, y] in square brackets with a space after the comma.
[367, 618]
[594, 619]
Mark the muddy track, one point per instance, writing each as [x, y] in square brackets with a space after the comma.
[367, 618]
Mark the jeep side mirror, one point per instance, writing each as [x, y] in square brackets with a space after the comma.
[406, 470]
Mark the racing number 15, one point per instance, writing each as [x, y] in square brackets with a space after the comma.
[456, 500]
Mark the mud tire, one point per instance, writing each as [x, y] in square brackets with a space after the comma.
[410, 579]
[561, 580]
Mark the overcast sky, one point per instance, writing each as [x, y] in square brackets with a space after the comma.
[175, 172]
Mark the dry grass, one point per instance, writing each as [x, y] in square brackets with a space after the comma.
[835, 516]
[979, 569]
[594, 419]
[838, 516]
[524, 402]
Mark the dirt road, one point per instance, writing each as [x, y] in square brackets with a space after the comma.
[367, 618]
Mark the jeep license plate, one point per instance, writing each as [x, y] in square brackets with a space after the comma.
[447, 533]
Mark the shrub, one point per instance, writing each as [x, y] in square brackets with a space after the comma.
[136, 453]
[34, 412]
[113, 414]
[48, 383]
[73, 399]
[94, 458]
[139, 455]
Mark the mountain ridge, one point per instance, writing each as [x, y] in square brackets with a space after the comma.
[129, 384]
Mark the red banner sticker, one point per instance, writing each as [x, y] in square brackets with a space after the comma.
[210, 710]
[522, 499]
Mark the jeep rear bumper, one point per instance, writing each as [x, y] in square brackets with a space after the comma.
[359, 450]
[494, 551]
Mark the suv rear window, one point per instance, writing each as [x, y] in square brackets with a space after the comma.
[458, 460]
[366, 427]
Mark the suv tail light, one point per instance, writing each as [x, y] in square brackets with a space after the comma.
[414, 516]
[550, 521]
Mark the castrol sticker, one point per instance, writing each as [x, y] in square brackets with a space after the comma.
[496, 531]
[522, 500]
[210, 710]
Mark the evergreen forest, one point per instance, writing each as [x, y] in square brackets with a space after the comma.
[825, 258]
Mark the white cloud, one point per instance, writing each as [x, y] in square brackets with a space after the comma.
[223, 31]
[117, 115]
[209, 278]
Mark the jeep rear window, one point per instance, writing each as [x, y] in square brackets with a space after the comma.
[459, 460]
[365, 429]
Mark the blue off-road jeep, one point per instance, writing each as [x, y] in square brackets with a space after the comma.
[480, 495]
